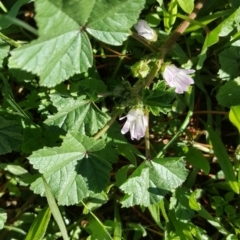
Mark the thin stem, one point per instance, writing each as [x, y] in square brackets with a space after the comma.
[153, 73]
[10, 41]
[144, 42]
[107, 126]
[183, 126]
[124, 51]
[147, 141]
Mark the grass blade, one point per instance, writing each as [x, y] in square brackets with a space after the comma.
[223, 160]
[39, 226]
[55, 210]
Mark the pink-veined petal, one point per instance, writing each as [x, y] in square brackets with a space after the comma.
[178, 78]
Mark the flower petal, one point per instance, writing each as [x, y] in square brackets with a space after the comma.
[126, 127]
[136, 123]
[178, 78]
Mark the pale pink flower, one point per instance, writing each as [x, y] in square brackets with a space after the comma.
[144, 30]
[136, 123]
[178, 78]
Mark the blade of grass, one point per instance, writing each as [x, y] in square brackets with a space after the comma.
[223, 159]
[39, 225]
[117, 235]
[8, 95]
[214, 222]
[55, 210]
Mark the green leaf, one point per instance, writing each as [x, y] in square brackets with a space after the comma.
[193, 200]
[152, 180]
[158, 99]
[228, 94]
[4, 48]
[61, 52]
[77, 114]
[196, 158]
[55, 210]
[110, 21]
[10, 135]
[3, 218]
[234, 116]
[223, 160]
[186, 5]
[71, 170]
[13, 169]
[39, 225]
[230, 63]
[222, 29]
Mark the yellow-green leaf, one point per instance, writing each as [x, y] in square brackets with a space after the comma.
[234, 116]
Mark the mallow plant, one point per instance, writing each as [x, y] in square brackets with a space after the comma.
[114, 119]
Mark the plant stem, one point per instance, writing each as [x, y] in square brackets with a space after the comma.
[10, 41]
[144, 42]
[107, 126]
[183, 126]
[124, 51]
[147, 141]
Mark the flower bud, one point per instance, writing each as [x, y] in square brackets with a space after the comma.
[145, 31]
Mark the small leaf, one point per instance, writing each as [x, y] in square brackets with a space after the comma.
[186, 5]
[152, 180]
[10, 135]
[223, 160]
[234, 116]
[193, 200]
[228, 94]
[40, 224]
